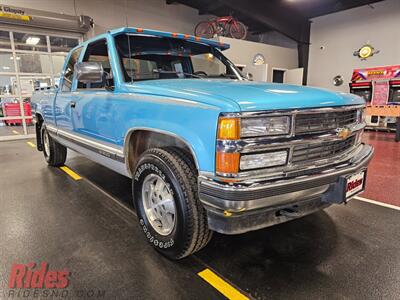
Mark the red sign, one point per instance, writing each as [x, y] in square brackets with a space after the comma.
[380, 92]
[377, 73]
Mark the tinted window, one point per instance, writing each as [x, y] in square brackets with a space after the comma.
[69, 70]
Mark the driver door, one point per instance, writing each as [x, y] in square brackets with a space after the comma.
[96, 112]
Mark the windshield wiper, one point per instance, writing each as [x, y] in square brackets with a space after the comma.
[159, 71]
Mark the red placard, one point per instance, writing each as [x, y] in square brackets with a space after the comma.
[377, 73]
[380, 92]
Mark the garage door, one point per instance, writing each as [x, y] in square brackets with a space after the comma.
[28, 60]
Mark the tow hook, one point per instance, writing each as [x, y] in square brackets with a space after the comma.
[288, 212]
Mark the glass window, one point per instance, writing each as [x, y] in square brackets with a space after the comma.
[8, 85]
[62, 44]
[69, 71]
[5, 42]
[58, 63]
[208, 65]
[29, 84]
[33, 63]
[6, 62]
[30, 41]
[394, 95]
[97, 52]
[153, 57]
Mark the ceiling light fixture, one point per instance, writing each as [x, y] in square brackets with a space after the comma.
[33, 40]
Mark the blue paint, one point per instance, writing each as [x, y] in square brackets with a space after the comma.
[187, 108]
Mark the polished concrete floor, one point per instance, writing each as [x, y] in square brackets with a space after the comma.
[383, 178]
[89, 228]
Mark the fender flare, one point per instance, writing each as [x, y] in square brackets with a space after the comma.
[156, 130]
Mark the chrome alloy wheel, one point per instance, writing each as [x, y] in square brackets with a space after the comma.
[46, 143]
[158, 203]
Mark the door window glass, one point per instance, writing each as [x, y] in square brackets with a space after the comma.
[98, 52]
[69, 70]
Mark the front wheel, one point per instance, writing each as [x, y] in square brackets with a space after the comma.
[238, 30]
[55, 154]
[166, 201]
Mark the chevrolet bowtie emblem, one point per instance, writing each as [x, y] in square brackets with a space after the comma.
[343, 133]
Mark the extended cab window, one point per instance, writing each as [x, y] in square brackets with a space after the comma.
[98, 52]
[69, 70]
[146, 57]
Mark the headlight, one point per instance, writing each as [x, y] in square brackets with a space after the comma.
[263, 160]
[252, 127]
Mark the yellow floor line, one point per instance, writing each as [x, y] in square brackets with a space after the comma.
[71, 173]
[15, 132]
[31, 144]
[221, 285]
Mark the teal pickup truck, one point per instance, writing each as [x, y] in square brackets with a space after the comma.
[207, 149]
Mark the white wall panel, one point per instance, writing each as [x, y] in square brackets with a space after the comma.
[340, 34]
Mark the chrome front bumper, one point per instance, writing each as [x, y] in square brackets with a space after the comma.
[239, 208]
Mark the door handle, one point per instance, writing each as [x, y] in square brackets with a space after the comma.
[72, 104]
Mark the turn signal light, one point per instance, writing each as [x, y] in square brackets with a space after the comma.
[227, 163]
[228, 129]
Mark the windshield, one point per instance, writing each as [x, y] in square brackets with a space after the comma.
[146, 57]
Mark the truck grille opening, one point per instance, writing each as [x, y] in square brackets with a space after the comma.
[321, 122]
[311, 152]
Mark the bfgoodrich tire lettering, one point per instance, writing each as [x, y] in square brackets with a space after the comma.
[54, 153]
[190, 232]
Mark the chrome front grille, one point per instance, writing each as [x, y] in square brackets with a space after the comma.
[321, 122]
[323, 150]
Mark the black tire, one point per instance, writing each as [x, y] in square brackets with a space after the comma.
[204, 29]
[55, 154]
[239, 31]
[190, 232]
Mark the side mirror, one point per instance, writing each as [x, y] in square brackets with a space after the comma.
[89, 72]
[249, 76]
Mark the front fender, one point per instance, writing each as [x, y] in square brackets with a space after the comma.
[199, 138]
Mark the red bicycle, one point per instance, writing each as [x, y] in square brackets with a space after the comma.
[221, 26]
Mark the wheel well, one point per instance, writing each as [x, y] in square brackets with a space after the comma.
[38, 126]
[141, 140]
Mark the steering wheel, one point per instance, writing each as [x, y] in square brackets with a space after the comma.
[200, 73]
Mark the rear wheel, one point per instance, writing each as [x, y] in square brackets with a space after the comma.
[54, 153]
[166, 200]
[205, 30]
[238, 30]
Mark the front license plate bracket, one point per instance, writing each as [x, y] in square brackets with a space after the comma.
[337, 191]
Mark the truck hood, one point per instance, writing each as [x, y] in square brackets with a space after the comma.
[248, 95]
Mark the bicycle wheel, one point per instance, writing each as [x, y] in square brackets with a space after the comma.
[238, 30]
[204, 29]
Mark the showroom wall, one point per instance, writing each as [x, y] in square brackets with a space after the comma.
[342, 33]
[154, 14]
[243, 52]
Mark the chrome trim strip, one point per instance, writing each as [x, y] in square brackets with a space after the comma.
[358, 162]
[246, 177]
[293, 111]
[262, 144]
[95, 146]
